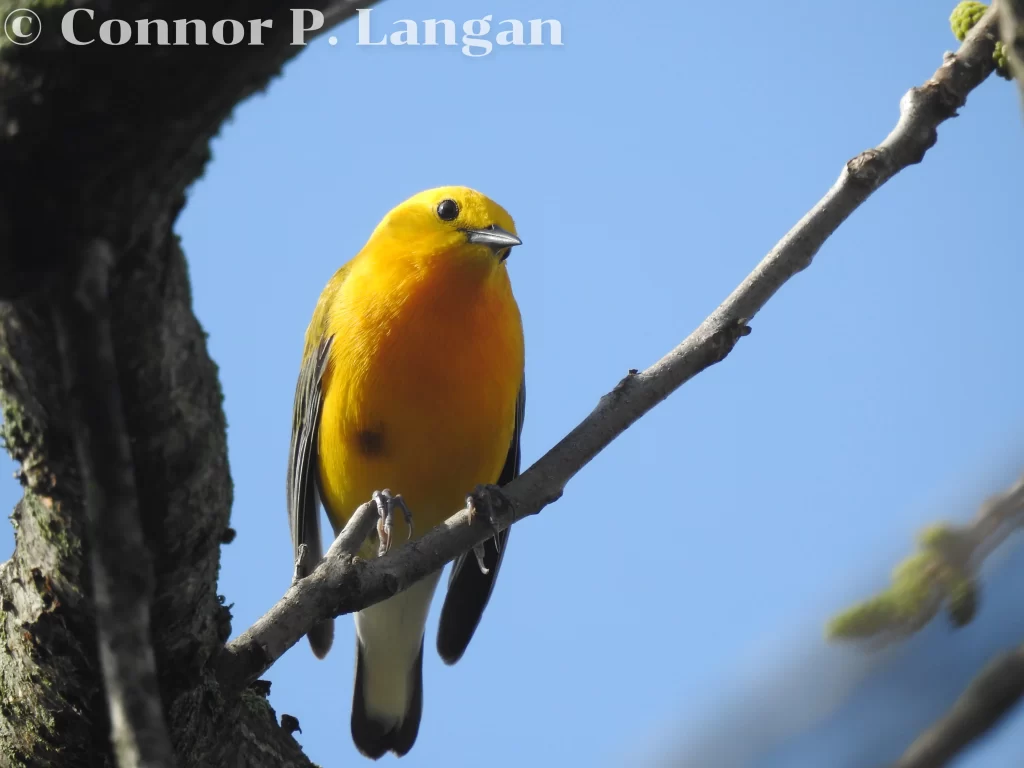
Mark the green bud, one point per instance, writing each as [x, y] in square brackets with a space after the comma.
[962, 600]
[1002, 61]
[908, 603]
[867, 619]
[965, 16]
[936, 536]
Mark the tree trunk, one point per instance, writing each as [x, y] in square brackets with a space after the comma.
[99, 142]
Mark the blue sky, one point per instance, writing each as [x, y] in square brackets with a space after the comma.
[650, 162]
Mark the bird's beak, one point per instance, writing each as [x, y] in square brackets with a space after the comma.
[495, 237]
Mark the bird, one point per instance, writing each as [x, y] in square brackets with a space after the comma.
[411, 392]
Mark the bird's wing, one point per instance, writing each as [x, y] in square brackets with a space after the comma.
[468, 588]
[302, 495]
[303, 500]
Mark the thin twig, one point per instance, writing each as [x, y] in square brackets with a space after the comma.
[990, 696]
[341, 585]
[347, 543]
[122, 573]
[355, 532]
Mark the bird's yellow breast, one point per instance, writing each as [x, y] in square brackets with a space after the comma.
[420, 387]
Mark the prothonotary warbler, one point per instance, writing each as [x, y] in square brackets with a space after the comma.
[412, 388]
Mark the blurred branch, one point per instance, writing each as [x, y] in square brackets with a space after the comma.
[122, 571]
[990, 696]
[944, 571]
[342, 584]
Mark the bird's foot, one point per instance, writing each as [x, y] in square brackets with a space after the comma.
[386, 503]
[486, 500]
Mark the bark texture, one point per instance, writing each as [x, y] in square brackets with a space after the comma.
[52, 705]
[99, 143]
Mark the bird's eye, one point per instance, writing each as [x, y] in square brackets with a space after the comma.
[447, 210]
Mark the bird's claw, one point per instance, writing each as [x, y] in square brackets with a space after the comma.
[478, 551]
[482, 501]
[386, 503]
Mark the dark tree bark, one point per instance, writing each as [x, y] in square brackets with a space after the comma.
[52, 706]
[99, 143]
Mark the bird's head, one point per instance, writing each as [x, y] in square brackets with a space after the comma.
[449, 222]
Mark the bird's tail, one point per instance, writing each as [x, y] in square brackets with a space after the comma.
[387, 701]
[321, 637]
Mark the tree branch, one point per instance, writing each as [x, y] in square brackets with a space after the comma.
[342, 585]
[990, 696]
[122, 572]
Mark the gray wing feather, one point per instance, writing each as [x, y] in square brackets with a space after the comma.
[303, 498]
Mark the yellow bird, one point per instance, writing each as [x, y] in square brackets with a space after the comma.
[412, 380]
